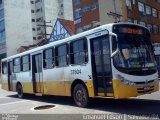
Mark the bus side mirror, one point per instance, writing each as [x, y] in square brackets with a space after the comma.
[114, 45]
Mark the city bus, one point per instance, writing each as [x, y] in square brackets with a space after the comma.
[111, 61]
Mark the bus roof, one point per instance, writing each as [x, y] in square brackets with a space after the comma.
[86, 33]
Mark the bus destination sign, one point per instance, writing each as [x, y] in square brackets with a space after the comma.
[131, 31]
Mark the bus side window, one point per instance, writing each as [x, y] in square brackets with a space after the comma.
[4, 68]
[78, 52]
[16, 65]
[61, 55]
[48, 58]
[26, 63]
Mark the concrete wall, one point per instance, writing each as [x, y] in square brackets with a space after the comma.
[52, 9]
[18, 24]
[107, 6]
[68, 10]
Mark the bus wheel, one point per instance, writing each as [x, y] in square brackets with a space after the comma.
[80, 95]
[20, 91]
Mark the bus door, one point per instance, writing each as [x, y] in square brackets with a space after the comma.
[10, 80]
[101, 65]
[37, 73]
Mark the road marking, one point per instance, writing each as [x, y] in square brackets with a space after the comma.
[14, 102]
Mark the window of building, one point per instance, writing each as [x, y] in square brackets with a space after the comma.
[86, 8]
[79, 30]
[26, 63]
[34, 38]
[2, 26]
[61, 55]
[142, 23]
[39, 28]
[78, 13]
[38, 10]
[141, 7]
[32, 11]
[148, 10]
[33, 29]
[32, 2]
[40, 19]
[1, 2]
[77, 1]
[78, 52]
[155, 29]
[130, 20]
[37, 1]
[33, 20]
[149, 26]
[2, 36]
[95, 6]
[16, 65]
[2, 30]
[136, 21]
[154, 12]
[129, 4]
[48, 58]
[1, 13]
[134, 2]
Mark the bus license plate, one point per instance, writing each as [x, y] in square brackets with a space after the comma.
[146, 88]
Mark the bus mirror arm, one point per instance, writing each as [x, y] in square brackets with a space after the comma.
[114, 53]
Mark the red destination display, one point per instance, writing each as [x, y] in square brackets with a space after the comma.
[131, 31]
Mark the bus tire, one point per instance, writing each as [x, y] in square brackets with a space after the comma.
[80, 95]
[20, 91]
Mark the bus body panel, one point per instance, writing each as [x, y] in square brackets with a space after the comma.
[53, 81]
[59, 80]
[122, 91]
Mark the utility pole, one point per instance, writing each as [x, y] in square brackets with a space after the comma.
[45, 26]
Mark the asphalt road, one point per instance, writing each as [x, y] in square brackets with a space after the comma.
[147, 106]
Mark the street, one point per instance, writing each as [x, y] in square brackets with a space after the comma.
[143, 105]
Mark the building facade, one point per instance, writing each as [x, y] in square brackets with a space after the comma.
[144, 12]
[2, 31]
[91, 13]
[28, 22]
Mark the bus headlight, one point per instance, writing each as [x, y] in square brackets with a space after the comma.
[125, 81]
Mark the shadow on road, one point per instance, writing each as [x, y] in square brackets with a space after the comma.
[125, 106]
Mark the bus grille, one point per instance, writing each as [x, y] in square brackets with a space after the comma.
[139, 83]
[142, 90]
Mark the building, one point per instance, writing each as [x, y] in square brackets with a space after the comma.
[62, 29]
[2, 32]
[144, 12]
[31, 21]
[27, 23]
[91, 13]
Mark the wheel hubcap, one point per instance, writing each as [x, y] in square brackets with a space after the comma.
[80, 97]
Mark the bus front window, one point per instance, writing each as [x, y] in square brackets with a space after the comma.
[135, 54]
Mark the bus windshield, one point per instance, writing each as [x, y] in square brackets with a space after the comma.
[135, 54]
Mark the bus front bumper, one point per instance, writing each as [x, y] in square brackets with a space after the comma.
[124, 91]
